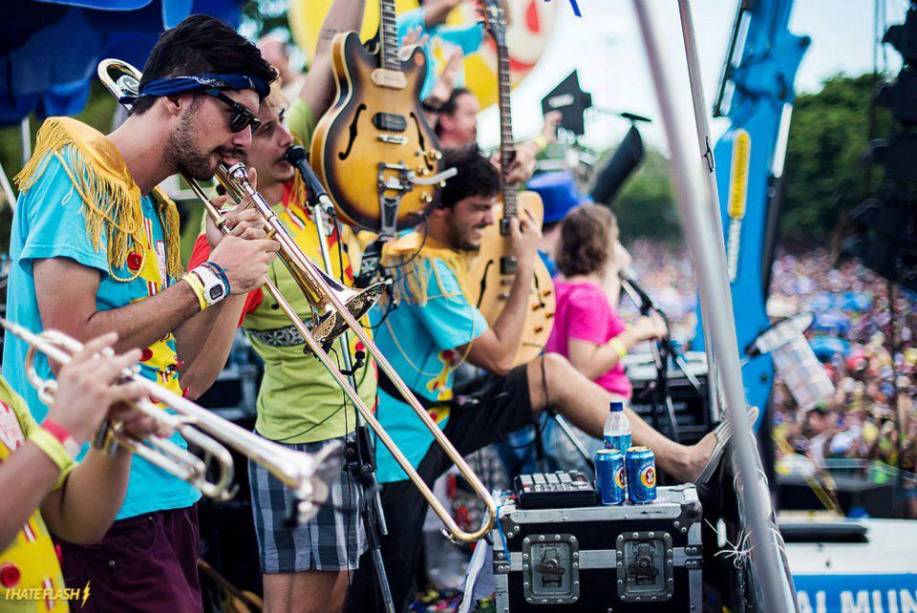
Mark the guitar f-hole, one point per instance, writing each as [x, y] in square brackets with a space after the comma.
[343, 155]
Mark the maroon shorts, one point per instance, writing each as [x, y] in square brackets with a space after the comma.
[143, 563]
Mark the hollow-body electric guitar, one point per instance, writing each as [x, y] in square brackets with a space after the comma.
[373, 150]
[494, 268]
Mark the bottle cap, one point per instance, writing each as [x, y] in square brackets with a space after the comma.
[616, 405]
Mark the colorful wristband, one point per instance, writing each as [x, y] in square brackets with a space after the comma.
[618, 345]
[194, 281]
[215, 289]
[54, 449]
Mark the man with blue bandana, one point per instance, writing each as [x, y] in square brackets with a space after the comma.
[95, 248]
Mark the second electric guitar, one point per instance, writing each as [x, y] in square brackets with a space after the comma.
[494, 267]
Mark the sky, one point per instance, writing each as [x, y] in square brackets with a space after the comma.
[605, 46]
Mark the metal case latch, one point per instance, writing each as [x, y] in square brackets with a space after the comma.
[645, 565]
[550, 569]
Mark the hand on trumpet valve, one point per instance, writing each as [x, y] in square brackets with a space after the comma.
[241, 219]
[91, 384]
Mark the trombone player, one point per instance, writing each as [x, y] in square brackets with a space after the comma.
[95, 249]
[45, 490]
[305, 568]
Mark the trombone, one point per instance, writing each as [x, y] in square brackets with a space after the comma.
[333, 302]
[305, 474]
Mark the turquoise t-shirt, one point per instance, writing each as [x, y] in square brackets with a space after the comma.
[49, 223]
[420, 342]
[468, 38]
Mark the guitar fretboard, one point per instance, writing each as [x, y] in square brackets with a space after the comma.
[388, 35]
[506, 128]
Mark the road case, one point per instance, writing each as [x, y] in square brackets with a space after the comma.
[607, 559]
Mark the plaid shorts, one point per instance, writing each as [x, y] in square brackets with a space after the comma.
[333, 540]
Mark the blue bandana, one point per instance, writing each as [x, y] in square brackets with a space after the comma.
[168, 86]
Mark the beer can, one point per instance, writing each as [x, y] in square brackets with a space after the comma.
[641, 475]
[610, 477]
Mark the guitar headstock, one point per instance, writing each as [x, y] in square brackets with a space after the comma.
[494, 17]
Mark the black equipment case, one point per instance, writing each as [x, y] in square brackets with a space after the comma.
[613, 559]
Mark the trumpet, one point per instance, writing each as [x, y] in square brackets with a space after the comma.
[305, 474]
[333, 303]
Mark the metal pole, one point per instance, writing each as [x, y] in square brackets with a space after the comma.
[714, 385]
[709, 256]
[8, 192]
[374, 524]
[25, 139]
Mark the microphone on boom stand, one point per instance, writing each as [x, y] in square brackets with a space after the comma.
[296, 156]
[662, 350]
[370, 270]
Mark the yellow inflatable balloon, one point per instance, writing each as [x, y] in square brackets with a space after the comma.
[527, 37]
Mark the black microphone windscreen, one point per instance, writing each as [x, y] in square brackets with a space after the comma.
[295, 154]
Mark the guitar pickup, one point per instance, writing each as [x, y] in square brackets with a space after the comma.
[390, 122]
[508, 265]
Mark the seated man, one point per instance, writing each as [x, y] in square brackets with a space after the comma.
[43, 487]
[431, 327]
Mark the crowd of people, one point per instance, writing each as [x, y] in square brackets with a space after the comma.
[870, 354]
[871, 367]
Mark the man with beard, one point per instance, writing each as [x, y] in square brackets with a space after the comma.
[95, 248]
[305, 568]
[431, 327]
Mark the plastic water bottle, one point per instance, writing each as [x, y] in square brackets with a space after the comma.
[617, 428]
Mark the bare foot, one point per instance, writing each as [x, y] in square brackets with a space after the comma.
[696, 458]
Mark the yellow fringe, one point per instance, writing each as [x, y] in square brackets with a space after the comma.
[412, 276]
[110, 196]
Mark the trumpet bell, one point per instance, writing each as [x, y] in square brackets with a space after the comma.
[312, 488]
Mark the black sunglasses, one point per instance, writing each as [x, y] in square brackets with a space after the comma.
[241, 117]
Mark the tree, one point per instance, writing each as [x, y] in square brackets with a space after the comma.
[645, 208]
[825, 171]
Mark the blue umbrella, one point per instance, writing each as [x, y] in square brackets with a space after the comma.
[49, 49]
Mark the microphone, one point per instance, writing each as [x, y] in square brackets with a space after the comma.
[296, 156]
[636, 293]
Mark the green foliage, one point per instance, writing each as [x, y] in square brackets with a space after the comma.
[260, 17]
[645, 208]
[825, 173]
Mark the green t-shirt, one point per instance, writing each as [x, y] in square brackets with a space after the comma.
[299, 401]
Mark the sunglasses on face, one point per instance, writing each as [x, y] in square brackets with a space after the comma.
[241, 117]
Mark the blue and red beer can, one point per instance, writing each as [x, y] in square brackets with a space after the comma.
[610, 477]
[640, 466]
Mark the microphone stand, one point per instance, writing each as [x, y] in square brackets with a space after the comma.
[662, 350]
[359, 453]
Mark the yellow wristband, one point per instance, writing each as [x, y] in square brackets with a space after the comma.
[198, 288]
[54, 449]
[541, 142]
[618, 345]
